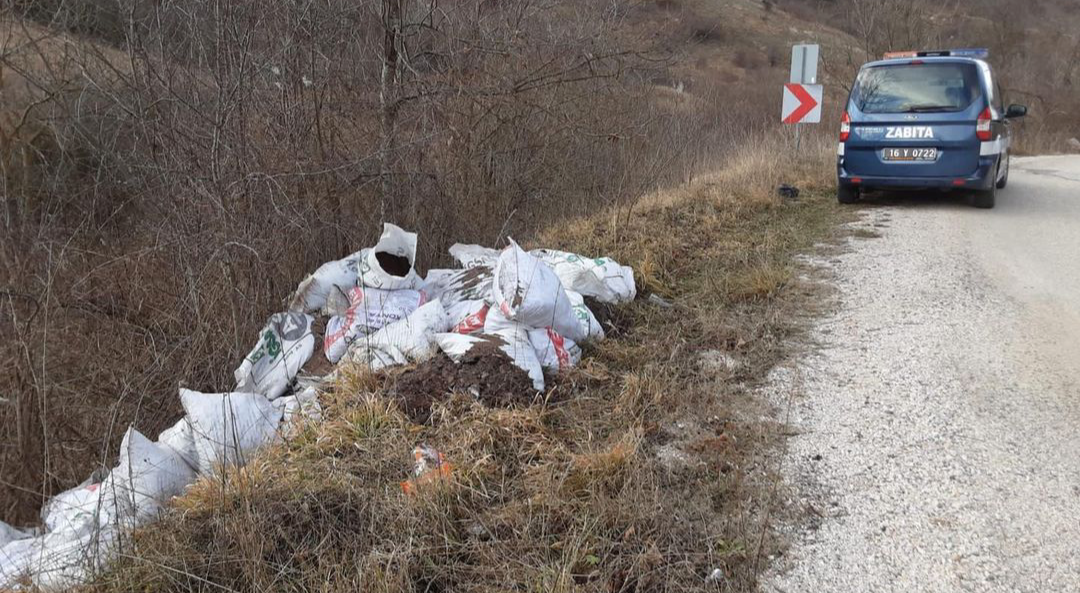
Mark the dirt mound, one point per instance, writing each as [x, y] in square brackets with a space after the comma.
[485, 372]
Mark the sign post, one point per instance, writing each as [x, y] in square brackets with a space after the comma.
[803, 96]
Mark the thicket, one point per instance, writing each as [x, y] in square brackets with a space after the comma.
[175, 168]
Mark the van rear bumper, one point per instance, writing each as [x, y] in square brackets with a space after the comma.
[982, 179]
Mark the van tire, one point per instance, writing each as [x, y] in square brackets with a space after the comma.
[1004, 178]
[986, 199]
[847, 194]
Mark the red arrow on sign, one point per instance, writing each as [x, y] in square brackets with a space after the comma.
[807, 103]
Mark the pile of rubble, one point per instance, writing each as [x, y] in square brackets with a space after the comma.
[378, 312]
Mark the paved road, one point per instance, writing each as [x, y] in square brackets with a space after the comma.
[939, 423]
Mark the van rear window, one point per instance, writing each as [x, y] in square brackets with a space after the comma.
[917, 88]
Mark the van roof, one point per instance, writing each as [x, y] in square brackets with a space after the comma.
[926, 60]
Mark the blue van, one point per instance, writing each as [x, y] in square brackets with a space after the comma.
[926, 120]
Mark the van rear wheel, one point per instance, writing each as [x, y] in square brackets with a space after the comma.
[847, 194]
[986, 199]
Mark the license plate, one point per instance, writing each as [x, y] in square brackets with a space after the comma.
[911, 154]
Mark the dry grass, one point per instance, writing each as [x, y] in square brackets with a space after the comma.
[571, 494]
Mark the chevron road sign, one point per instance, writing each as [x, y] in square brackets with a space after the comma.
[802, 104]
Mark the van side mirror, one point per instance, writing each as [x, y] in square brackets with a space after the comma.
[1015, 111]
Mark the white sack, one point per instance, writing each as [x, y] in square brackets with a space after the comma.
[61, 561]
[555, 352]
[468, 317]
[284, 345]
[528, 292]
[228, 427]
[470, 256]
[73, 510]
[370, 309]
[375, 357]
[332, 278]
[461, 286]
[9, 534]
[436, 282]
[601, 278]
[146, 477]
[15, 561]
[513, 339]
[179, 438]
[396, 242]
[585, 316]
[412, 338]
[296, 410]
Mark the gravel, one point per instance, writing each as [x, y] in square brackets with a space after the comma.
[938, 420]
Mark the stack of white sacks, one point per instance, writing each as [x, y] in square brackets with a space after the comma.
[381, 313]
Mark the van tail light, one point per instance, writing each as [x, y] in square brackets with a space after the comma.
[845, 127]
[982, 127]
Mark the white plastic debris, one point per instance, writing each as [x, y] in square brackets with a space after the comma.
[284, 345]
[389, 265]
[370, 309]
[335, 277]
[601, 278]
[528, 292]
[554, 352]
[228, 427]
[146, 477]
[471, 256]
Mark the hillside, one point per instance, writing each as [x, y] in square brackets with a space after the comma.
[168, 179]
[142, 211]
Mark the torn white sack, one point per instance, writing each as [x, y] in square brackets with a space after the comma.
[336, 277]
[390, 264]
